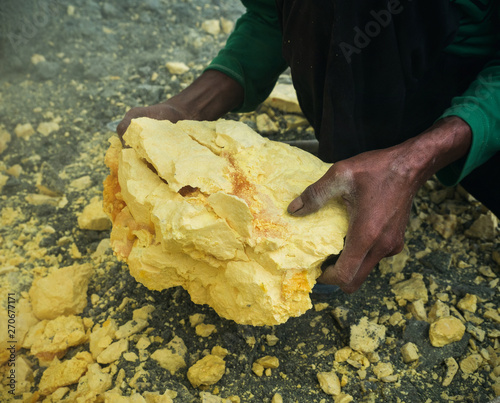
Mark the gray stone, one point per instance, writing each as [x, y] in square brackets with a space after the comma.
[417, 332]
[151, 5]
[151, 93]
[47, 70]
[108, 10]
[95, 71]
[437, 261]
[145, 71]
[49, 182]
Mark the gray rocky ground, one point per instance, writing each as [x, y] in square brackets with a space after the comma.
[69, 68]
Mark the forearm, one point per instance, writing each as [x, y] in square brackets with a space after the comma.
[209, 97]
[252, 55]
[420, 157]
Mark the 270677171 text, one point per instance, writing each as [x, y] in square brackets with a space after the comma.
[11, 334]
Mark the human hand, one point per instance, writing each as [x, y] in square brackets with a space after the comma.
[162, 111]
[209, 97]
[378, 188]
[378, 197]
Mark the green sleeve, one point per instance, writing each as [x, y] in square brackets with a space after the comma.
[252, 55]
[479, 106]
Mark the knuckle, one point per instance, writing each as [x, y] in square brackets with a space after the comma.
[385, 242]
[390, 246]
[344, 279]
[350, 288]
[371, 236]
[120, 129]
[384, 249]
[341, 167]
[398, 247]
[315, 196]
[372, 233]
[136, 112]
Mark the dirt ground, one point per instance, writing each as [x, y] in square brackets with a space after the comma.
[67, 69]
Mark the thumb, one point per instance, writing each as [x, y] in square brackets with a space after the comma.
[122, 127]
[332, 184]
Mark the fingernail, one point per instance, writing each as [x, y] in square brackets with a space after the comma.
[295, 205]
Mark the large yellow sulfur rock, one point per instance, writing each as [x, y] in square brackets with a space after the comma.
[202, 205]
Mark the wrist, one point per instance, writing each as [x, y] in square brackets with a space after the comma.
[448, 140]
[209, 97]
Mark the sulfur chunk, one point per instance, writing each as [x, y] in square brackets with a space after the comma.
[173, 356]
[409, 352]
[64, 373]
[207, 371]
[445, 331]
[203, 205]
[63, 292]
[329, 383]
[366, 336]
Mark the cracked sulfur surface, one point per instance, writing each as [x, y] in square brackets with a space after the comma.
[202, 205]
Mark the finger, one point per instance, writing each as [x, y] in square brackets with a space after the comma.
[358, 243]
[124, 124]
[364, 231]
[137, 112]
[361, 254]
[131, 114]
[122, 127]
[333, 183]
[345, 271]
[159, 112]
[362, 272]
